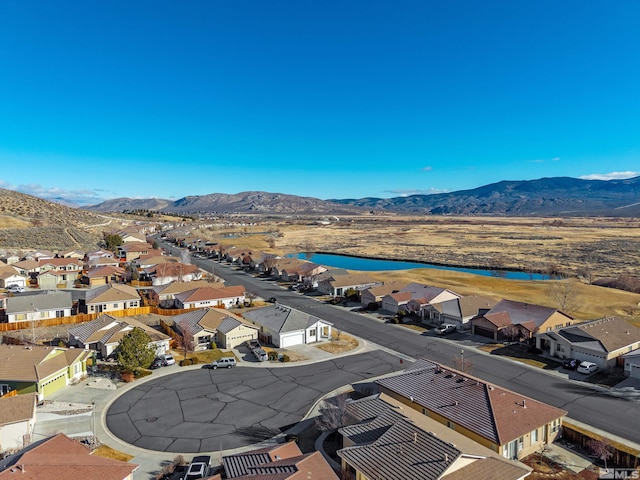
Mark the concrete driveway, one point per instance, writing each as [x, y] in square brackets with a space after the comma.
[200, 410]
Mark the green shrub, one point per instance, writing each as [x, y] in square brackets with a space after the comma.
[273, 356]
[285, 357]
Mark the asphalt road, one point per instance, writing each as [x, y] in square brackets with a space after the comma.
[583, 402]
[202, 410]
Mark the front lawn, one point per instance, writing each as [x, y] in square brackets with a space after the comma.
[205, 356]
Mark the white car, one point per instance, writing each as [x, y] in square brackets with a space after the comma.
[587, 367]
[445, 328]
[15, 288]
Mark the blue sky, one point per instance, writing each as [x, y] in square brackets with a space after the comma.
[331, 99]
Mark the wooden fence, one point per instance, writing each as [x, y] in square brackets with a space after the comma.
[87, 317]
[624, 456]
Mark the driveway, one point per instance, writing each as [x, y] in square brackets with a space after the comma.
[200, 410]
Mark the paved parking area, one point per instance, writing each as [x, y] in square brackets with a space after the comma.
[201, 410]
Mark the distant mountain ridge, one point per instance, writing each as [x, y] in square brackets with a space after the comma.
[555, 196]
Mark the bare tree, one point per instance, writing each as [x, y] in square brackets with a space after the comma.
[185, 339]
[251, 296]
[564, 294]
[462, 363]
[601, 448]
[334, 413]
[271, 242]
[269, 262]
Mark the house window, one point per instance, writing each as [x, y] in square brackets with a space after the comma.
[548, 329]
[21, 317]
[555, 426]
[312, 332]
[425, 412]
[451, 425]
[534, 436]
[4, 389]
[568, 324]
[520, 443]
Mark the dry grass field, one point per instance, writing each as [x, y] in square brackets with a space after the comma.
[599, 247]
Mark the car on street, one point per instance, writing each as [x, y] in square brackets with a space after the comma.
[445, 328]
[570, 363]
[198, 468]
[15, 288]
[272, 300]
[224, 362]
[587, 368]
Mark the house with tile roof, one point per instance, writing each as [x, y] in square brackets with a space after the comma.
[503, 421]
[60, 457]
[131, 251]
[102, 262]
[337, 286]
[52, 279]
[28, 268]
[511, 320]
[300, 272]
[103, 335]
[376, 294]
[164, 273]
[416, 298]
[104, 275]
[201, 297]
[313, 281]
[284, 326]
[41, 306]
[601, 341]
[38, 255]
[278, 462]
[96, 254]
[385, 440]
[40, 370]
[17, 419]
[214, 325]
[164, 295]
[147, 261]
[459, 311]
[61, 264]
[72, 254]
[109, 298]
[9, 276]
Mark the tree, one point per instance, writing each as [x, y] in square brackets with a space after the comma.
[334, 413]
[186, 338]
[602, 449]
[113, 242]
[268, 262]
[135, 351]
[251, 296]
[564, 294]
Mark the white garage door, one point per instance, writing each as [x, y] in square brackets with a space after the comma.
[292, 339]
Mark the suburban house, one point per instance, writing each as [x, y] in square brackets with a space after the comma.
[96, 254]
[60, 265]
[147, 261]
[213, 325]
[39, 255]
[503, 421]
[164, 295]
[104, 275]
[250, 259]
[37, 307]
[132, 236]
[131, 251]
[512, 320]
[285, 326]
[416, 298]
[337, 286]
[61, 457]
[72, 254]
[9, 276]
[28, 268]
[602, 341]
[102, 262]
[52, 279]
[459, 311]
[300, 272]
[225, 297]
[164, 273]
[632, 364]
[386, 440]
[284, 264]
[10, 258]
[376, 294]
[312, 281]
[278, 462]
[17, 419]
[109, 298]
[103, 335]
[40, 370]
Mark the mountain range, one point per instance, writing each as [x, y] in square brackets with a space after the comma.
[556, 196]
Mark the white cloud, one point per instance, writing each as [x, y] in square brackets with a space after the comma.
[543, 160]
[55, 194]
[610, 176]
[427, 169]
[406, 193]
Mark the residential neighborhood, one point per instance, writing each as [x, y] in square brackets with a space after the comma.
[427, 413]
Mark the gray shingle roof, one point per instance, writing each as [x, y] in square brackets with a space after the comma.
[42, 301]
[282, 319]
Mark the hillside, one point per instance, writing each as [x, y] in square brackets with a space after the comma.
[558, 196]
[244, 202]
[26, 220]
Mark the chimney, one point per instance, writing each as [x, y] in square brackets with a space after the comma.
[524, 403]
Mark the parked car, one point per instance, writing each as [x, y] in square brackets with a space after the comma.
[272, 300]
[253, 344]
[587, 367]
[445, 328]
[260, 354]
[570, 363]
[198, 468]
[224, 362]
[157, 363]
[167, 359]
[15, 288]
